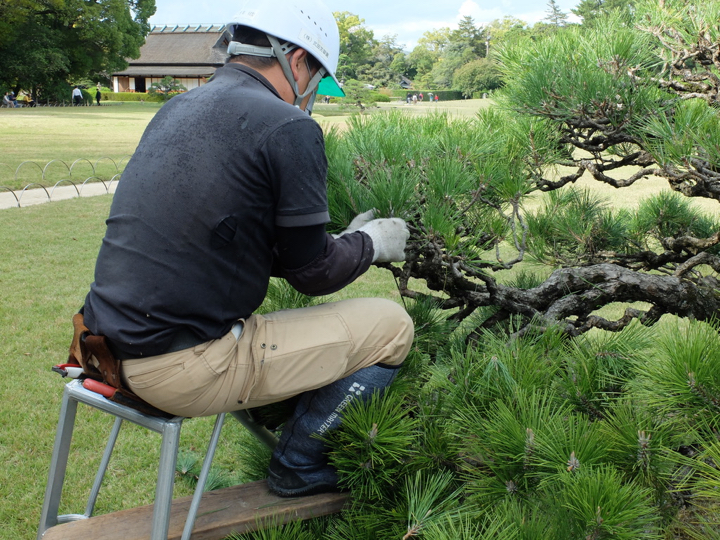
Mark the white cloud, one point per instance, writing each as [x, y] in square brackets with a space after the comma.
[411, 31]
[531, 17]
[408, 23]
[479, 15]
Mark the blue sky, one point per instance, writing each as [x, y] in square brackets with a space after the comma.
[408, 20]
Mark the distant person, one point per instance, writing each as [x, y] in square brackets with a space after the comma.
[98, 95]
[77, 96]
[7, 102]
[13, 99]
[437, 98]
[27, 99]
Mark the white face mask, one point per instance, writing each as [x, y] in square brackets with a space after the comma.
[311, 103]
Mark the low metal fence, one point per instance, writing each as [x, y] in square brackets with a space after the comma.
[57, 173]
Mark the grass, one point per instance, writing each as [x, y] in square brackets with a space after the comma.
[334, 115]
[93, 141]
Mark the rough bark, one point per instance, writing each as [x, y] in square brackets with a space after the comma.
[570, 296]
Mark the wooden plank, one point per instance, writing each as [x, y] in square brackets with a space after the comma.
[239, 509]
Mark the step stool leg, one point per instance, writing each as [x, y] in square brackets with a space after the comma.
[263, 434]
[58, 464]
[166, 479]
[103, 466]
[202, 479]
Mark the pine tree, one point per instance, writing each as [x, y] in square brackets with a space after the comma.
[555, 15]
[591, 11]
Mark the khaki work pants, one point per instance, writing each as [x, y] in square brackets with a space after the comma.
[277, 356]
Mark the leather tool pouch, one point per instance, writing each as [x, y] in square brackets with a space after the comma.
[92, 353]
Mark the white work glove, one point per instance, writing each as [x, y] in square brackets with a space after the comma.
[357, 222]
[389, 237]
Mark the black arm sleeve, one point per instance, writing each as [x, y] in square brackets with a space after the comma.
[315, 263]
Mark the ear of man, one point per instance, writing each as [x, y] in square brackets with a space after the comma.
[298, 64]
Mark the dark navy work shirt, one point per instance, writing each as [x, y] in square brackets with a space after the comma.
[192, 227]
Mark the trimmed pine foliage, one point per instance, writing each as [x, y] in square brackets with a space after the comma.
[602, 436]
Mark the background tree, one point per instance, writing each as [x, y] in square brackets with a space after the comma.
[43, 45]
[427, 53]
[481, 75]
[356, 44]
[401, 67]
[470, 36]
[455, 55]
[166, 88]
[554, 15]
[453, 49]
[383, 67]
[506, 30]
[591, 11]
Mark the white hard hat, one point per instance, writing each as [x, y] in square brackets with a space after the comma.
[308, 24]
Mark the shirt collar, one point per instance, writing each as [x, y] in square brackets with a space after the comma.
[230, 66]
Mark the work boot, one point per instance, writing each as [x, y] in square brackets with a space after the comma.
[299, 464]
[285, 482]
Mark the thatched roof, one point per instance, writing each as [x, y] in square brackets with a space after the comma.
[180, 51]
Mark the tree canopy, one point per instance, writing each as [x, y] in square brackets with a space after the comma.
[591, 11]
[443, 58]
[46, 43]
[166, 88]
[614, 102]
[555, 15]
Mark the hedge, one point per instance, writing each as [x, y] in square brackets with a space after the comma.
[131, 96]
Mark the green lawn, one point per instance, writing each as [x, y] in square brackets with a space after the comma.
[76, 142]
[45, 133]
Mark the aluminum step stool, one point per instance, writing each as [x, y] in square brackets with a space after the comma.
[169, 428]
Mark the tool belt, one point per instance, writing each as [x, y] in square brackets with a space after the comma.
[93, 354]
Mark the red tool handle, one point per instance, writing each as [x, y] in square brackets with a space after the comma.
[65, 366]
[69, 370]
[99, 388]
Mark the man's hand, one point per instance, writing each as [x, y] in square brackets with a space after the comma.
[389, 237]
[357, 222]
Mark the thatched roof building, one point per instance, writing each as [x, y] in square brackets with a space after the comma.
[190, 54]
